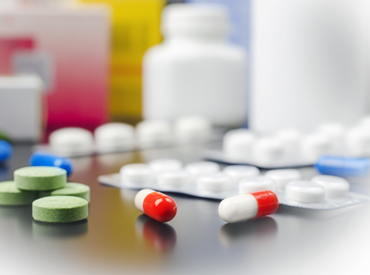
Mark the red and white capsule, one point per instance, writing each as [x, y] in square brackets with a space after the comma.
[156, 205]
[248, 206]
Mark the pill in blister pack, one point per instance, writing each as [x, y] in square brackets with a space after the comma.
[121, 137]
[290, 148]
[206, 180]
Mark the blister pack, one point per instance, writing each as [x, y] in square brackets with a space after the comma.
[290, 148]
[121, 137]
[206, 180]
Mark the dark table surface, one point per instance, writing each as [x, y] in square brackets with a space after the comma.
[118, 239]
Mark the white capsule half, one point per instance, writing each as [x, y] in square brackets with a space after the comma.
[304, 191]
[239, 172]
[214, 182]
[335, 187]
[136, 173]
[283, 176]
[256, 184]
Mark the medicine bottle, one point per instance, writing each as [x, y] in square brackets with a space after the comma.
[196, 70]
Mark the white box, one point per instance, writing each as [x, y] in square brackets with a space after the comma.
[21, 107]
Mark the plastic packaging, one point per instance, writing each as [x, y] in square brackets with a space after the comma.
[204, 180]
[292, 148]
[121, 137]
[195, 71]
[47, 159]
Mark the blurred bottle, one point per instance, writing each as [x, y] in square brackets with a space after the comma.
[195, 71]
[135, 29]
[67, 45]
[309, 63]
[239, 16]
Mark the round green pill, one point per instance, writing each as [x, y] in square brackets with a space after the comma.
[71, 189]
[40, 178]
[11, 195]
[60, 209]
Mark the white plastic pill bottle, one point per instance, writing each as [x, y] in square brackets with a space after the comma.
[196, 70]
[309, 63]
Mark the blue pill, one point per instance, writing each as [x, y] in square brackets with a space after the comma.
[343, 166]
[47, 159]
[6, 150]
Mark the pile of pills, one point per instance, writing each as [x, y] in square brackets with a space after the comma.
[53, 199]
[206, 180]
[116, 137]
[292, 148]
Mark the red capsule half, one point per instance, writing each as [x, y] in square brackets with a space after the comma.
[156, 205]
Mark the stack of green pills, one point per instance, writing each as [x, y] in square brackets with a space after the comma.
[59, 201]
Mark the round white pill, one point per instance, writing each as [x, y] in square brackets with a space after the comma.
[335, 187]
[358, 140]
[114, 136]
[283, 176]
[314, 145]
[192, 129]
[290, 138]
[136, 173]
[334, 131]
[165, 165]
[268, 149]
[152, 133]
[214, 182]
[174, 179]
[196, 169]
[71, 141]
[256, 184]
[238, 172]
[238, 144]
[304, 191]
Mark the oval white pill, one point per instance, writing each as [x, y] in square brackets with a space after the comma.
[238, 172]
[358, 141]
[152, 133]
[334, 131]
[268, 149]
[196, 169]
[290, 138]
[315, 145]
[256, 184]
[214, 182]
[283, 176]
[192, 129]
[165, 165]
[71, 141]
[335, 187]
[304, 191]
[174, 179]
[238, 144]
[136, 173]
[114, 136]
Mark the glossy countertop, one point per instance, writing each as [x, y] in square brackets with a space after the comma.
[118, 239]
